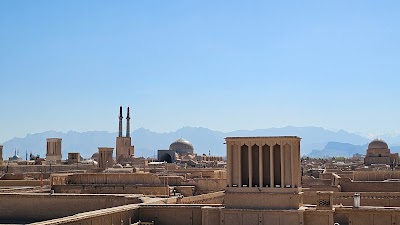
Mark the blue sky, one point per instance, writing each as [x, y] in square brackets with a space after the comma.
[224, 65]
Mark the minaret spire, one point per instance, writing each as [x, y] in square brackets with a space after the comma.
[120, 122]
[128, 125]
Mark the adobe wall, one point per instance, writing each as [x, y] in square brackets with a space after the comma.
[308, 181]
[172, 180]
[203, 185]
[121, 215]
[171, 214]
[366, 216]
[46, 168]
[262, 200]
[306, 216]
[204, 172]
[212, 198]
[24, 183]
[114, 178]
[38, 207]
[222, 216]
[185, 190]
[375, 175]
[112, 189]
[208, 185]
[368, 186]
[367, 198]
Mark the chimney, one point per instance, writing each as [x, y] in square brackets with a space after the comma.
[357, 200]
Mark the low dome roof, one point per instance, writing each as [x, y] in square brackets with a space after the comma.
[181, 144]
[378, 144]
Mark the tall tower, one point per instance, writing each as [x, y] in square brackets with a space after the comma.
[128, 130]
[263, 173]
[124, 148]
[120, 122]
[105, 157]
[53, 150]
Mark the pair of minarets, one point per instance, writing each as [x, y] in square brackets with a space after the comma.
[127, 123]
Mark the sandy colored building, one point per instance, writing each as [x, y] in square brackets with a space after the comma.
[53, 150]
[105, 157]
[178, 150]
[378, 152]
[124, 149]
[263, 188]
[74, 157]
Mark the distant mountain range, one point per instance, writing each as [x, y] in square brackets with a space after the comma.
[316, 141]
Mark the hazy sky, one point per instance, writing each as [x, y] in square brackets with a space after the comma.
[225, 65]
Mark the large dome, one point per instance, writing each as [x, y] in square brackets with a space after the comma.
[181, 146]
[378, 144]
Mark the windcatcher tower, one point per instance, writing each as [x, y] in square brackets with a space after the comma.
[124, 147]
[263, 173]
[53, 150]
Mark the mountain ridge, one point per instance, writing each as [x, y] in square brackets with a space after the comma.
[147, 142]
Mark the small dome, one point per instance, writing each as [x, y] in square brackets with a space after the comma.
[181, 146]
[378, 144]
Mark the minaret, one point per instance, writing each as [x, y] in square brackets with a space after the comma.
[120, 122]
[128, 125]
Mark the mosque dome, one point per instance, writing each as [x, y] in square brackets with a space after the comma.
[181, 146]
[378, 144]
[15, 157]
[95, 156]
